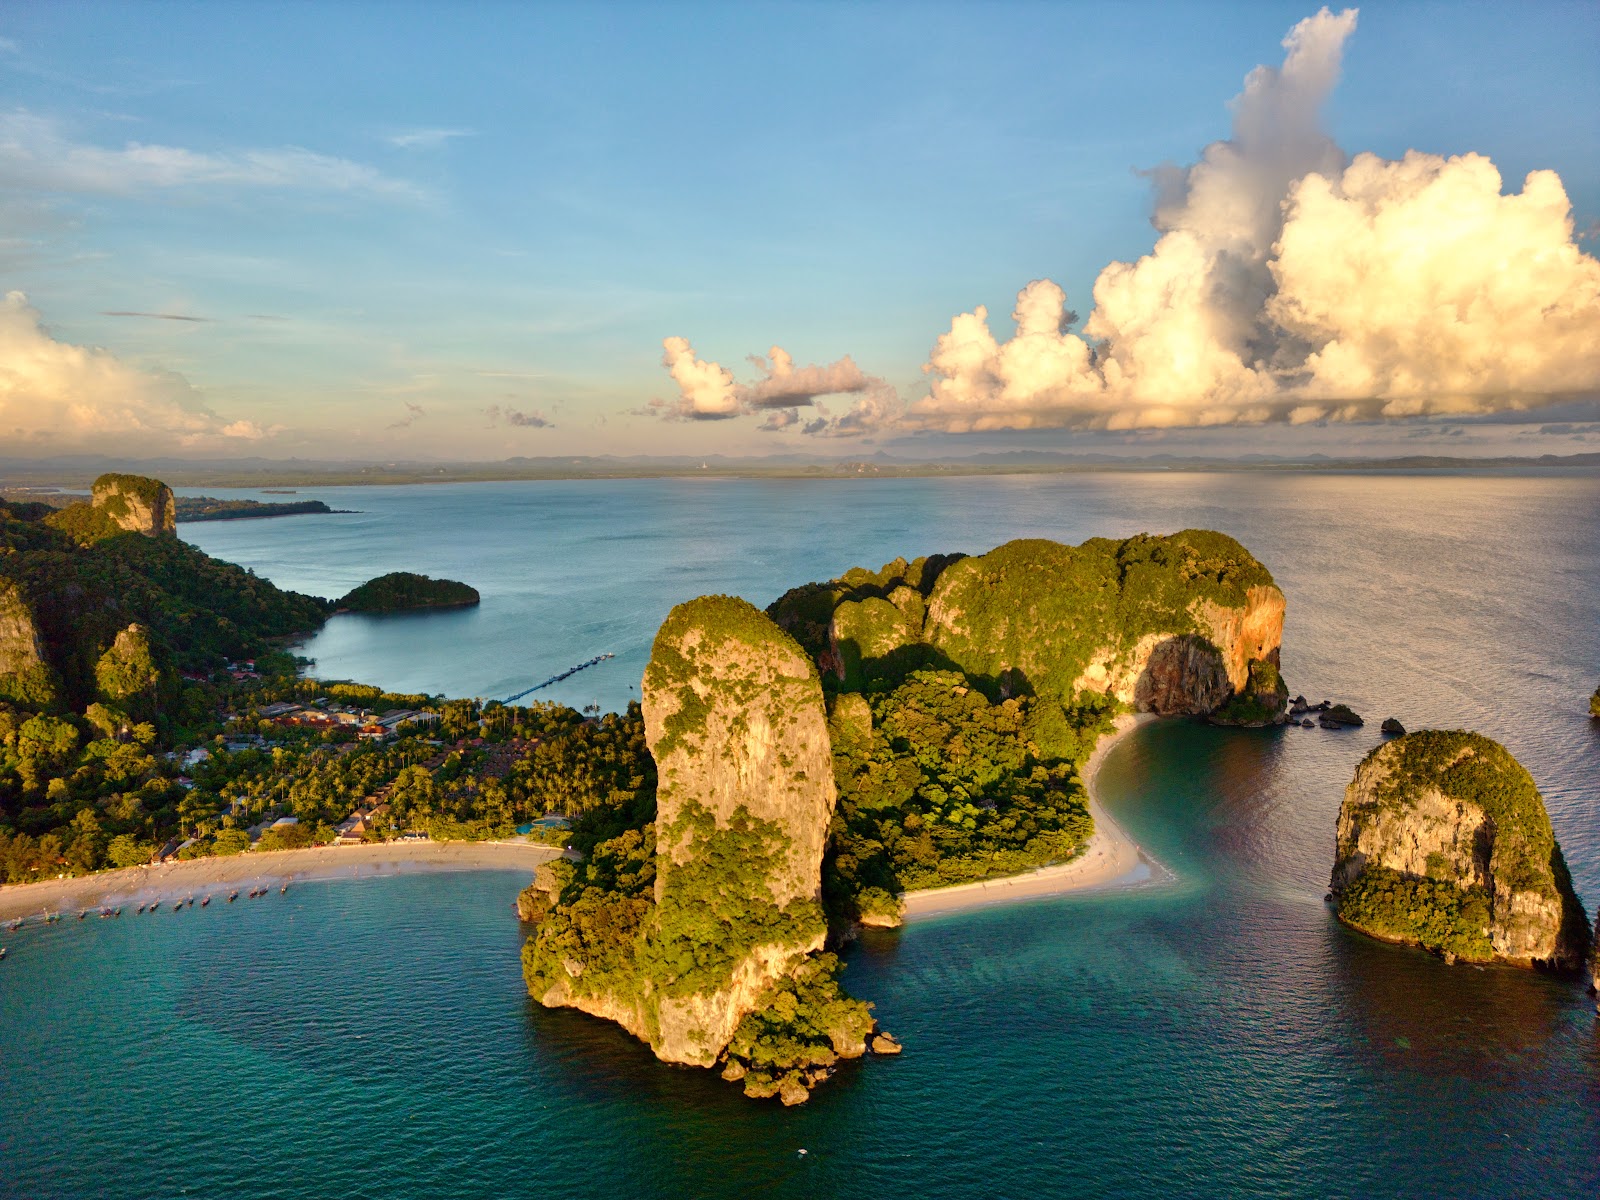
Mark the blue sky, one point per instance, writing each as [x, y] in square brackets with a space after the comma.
[396, 220]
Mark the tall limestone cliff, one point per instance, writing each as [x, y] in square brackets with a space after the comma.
[1444, 843]
[120, 504]
[1179, 624]
[735, 721]
[137, 504]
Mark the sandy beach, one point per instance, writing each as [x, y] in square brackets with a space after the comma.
[1112, 858]
[217, 876]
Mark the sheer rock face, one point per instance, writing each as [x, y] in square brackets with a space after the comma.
[735, 721]
[137, 504]
[734, 718]
[25, 675]
[1456, 808]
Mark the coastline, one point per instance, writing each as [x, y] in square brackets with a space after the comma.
[200, 876]
[1112, 858]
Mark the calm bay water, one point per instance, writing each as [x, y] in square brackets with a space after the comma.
[1215, 1035]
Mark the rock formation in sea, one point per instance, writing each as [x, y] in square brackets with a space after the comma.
[735, 721]
[1444, 843]
[1186, 624]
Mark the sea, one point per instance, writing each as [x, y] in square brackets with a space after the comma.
[1214, 1032]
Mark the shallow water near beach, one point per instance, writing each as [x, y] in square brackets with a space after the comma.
[1213, 1034]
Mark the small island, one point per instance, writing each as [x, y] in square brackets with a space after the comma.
[209, 508]
[400, 591]
[1444, 843]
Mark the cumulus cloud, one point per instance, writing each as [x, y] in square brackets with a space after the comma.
[1289, 284]
[37, 155]
[53, 393]
[708, 391]
[526, 420]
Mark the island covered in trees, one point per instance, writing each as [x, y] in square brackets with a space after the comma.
[400, 590]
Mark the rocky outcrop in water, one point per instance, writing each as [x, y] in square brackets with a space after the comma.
[1444, 843]
[735, 722]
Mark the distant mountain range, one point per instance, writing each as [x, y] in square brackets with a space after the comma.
[78, 470]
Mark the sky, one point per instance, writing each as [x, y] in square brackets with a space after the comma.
[471, 232]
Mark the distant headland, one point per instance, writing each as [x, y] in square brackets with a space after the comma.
[209, 508]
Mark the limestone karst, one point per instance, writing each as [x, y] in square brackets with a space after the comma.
[1444, 843]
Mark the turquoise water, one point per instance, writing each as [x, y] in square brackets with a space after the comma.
[1217, 1035]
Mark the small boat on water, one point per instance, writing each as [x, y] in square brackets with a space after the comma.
[177, 906]
[205, 902]
[83, 913]
[141, 906]
[283, 889]
[233, 895]
[191, 901]
[2, 951]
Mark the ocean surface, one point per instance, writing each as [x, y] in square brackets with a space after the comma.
[1217, 1034]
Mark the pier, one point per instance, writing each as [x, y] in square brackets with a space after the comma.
[599, 658]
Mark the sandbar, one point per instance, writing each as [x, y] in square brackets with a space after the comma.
[199, 877]
[1112, 858]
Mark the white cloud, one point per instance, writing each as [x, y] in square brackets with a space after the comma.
[427, 139]
[1288, 285]
[36, 155]
[53, 393]
[707, 391]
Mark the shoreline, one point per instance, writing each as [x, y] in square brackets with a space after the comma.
[216, 876]
[1111, 859]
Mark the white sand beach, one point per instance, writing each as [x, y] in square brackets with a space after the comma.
[200, 877]
[1111, 859]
